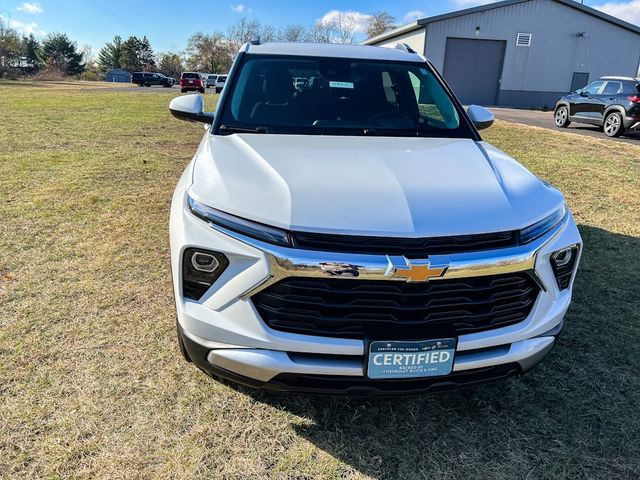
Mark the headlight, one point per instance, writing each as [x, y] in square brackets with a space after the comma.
[538, 229]
[246, 227]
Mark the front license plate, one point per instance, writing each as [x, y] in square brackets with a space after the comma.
[429, 358]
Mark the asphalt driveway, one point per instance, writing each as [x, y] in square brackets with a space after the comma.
[537, 118]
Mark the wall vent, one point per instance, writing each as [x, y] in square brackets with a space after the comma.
[523, 40]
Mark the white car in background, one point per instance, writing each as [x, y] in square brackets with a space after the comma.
[220, 81]
[211, 80]
[354, 234]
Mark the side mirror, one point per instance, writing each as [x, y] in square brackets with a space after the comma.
[583, 93]
[191, 109]
[480, 116]
[578, 91]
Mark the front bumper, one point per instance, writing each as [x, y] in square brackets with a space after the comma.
[225, 336]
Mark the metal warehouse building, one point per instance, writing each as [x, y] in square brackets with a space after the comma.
[522, 53]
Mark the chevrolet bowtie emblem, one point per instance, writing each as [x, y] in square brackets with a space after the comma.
[421, 271]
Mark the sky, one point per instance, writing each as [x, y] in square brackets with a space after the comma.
[169, 24]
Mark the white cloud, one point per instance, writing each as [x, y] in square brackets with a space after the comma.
[30, 7]
[414, 15]
[241, 8]
[23, 28]
[358, 19]
[627, 11]
[470, 3]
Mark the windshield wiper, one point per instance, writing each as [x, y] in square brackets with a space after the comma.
[239, 129]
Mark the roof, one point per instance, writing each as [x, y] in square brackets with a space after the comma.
[332, 50]
[491, 6]
[613, 77]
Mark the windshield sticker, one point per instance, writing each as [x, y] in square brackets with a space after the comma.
[341, 84]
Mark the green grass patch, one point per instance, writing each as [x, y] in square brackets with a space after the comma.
[92, 384]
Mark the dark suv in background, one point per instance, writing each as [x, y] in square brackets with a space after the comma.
[612, 103]
[146, 79]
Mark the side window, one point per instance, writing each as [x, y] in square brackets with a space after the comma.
[427, 107]
[611, 88]
[389, 89]
[593, 88]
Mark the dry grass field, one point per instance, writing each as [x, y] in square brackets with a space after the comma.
[92, 384]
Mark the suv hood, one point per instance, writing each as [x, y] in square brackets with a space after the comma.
[379, 186]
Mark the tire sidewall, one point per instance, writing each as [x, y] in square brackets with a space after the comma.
[620, 129]
[566, 119]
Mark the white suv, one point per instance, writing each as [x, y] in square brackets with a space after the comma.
[354, 234]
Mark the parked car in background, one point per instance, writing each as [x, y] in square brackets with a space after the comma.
[211, 80]
[220, 83]
[612, 103]
[190, 81]
[358, 235]
[146, 79]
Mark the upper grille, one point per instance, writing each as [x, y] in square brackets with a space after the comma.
[388, 310]
[409, 247]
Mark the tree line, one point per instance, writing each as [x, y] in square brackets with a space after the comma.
[205, 52]
[26, 55]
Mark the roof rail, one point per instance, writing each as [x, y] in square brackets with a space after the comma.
[255, 40]
[404, 47]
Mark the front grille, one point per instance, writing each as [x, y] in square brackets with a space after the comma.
[388, 310]
[409, 247]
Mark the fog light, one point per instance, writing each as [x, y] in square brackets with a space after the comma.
[204, 262]
[563, 263]
[200, 269]
[563, 257]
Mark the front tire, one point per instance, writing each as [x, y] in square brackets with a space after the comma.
[182, 90]
[561, 117]
[613, 125]
[201, 90]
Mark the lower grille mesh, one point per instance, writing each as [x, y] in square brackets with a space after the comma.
[387, 310]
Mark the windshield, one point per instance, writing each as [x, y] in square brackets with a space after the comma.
[337, 96]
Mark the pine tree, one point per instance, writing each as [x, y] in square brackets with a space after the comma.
[130, 56]
[31, 53]
[60, 53]
[109, 56]
[145, 54]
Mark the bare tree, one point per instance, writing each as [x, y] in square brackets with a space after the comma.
[210, 53]
[245, 30]
[293, 33]
[344, 28]
[379, 23]
[320, 33]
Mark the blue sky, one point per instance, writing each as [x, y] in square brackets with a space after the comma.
[169, 24]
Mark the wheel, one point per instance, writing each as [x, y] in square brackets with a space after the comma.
[141, 84]
[613, 125]
[182, 90]
[201, 90]
[562, 117]
[218, 90]
[147, 85]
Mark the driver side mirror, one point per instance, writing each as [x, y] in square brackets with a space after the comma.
[583, 93]
[191, 109]
[480, 116]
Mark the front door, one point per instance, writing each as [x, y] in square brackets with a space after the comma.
[585, 103]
